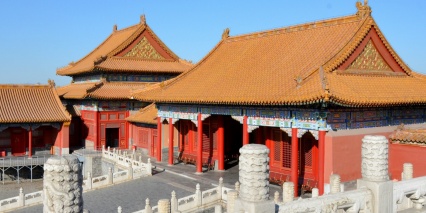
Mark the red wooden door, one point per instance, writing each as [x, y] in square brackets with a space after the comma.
[18, 142]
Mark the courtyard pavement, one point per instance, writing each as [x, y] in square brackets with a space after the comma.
[131, 195]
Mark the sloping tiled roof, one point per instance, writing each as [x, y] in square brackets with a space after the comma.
[408, 136]
[102, 90]
[104, 57]
[76, 90]
[293, 66]
[147, 115]
[126, 64]
[31, 104]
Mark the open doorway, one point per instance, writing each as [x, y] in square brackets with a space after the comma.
[112, 137]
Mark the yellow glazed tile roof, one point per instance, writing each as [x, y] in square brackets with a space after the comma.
[294, 65]
[402, 135]
[104, 57]
[102, 90]
[126, 64]
[31, 104]
[147, 115]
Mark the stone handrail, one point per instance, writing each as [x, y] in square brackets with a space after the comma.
[21, 200]
[198, 200]
[123, 160]
[408, 193]
[351, 201]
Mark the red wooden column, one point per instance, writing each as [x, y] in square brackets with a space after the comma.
[159, 139]
[97, 138]
[30, 143]
[245, 131]
[200, 145]
[171, 131]
[268, 144]
[221, 143]
[294, 160]
[321, 153]
[65, 134]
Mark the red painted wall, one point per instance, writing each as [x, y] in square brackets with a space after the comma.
[404, 153]
[343, 151]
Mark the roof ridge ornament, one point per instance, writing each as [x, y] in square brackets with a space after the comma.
[225, 34]
[51, 83]
[114, 28]
[143, 19]
[363, 10]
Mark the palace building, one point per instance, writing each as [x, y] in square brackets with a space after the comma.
[130, 59]
[32, 119]
[309, 92]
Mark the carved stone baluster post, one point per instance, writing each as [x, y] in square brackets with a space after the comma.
[288, 192]
[198, 197]
[89, 181]
[164, 206]
[334, 183]
[149, 167]
[254, 179]
[62, 185]
[148, 208]
[374, 170]
[219, 188]
[21, 199]
[174, 202]
[110, 176]
[407, 171]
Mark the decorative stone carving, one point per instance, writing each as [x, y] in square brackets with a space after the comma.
[407, 171]
[163, 206]
[62, 185]
[232, 197]
[334, 183]
[288, 192]
[254, 173]
[374, 165]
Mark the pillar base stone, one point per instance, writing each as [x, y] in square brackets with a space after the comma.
[267, 206]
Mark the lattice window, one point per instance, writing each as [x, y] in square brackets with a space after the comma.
[286, 150]
[214, 128]
[307, 151]
[143, 137]
[206, 138]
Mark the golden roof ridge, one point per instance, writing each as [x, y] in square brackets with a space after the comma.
[296, 28]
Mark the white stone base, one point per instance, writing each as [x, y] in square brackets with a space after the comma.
[254, 207]
[382, 194]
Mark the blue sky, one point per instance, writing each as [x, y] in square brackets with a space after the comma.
[37, 37]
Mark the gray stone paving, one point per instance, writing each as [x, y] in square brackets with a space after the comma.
[131, 195]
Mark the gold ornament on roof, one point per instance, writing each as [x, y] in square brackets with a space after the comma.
[225, 33]
[143, 19]
[144, 50]
[363, 10]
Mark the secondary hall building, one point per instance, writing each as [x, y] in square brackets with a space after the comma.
[309, 92]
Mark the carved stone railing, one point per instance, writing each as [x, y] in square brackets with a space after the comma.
[197, 201]
[123, 159]
[350, 201]
[409, 194]
[21, 200]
